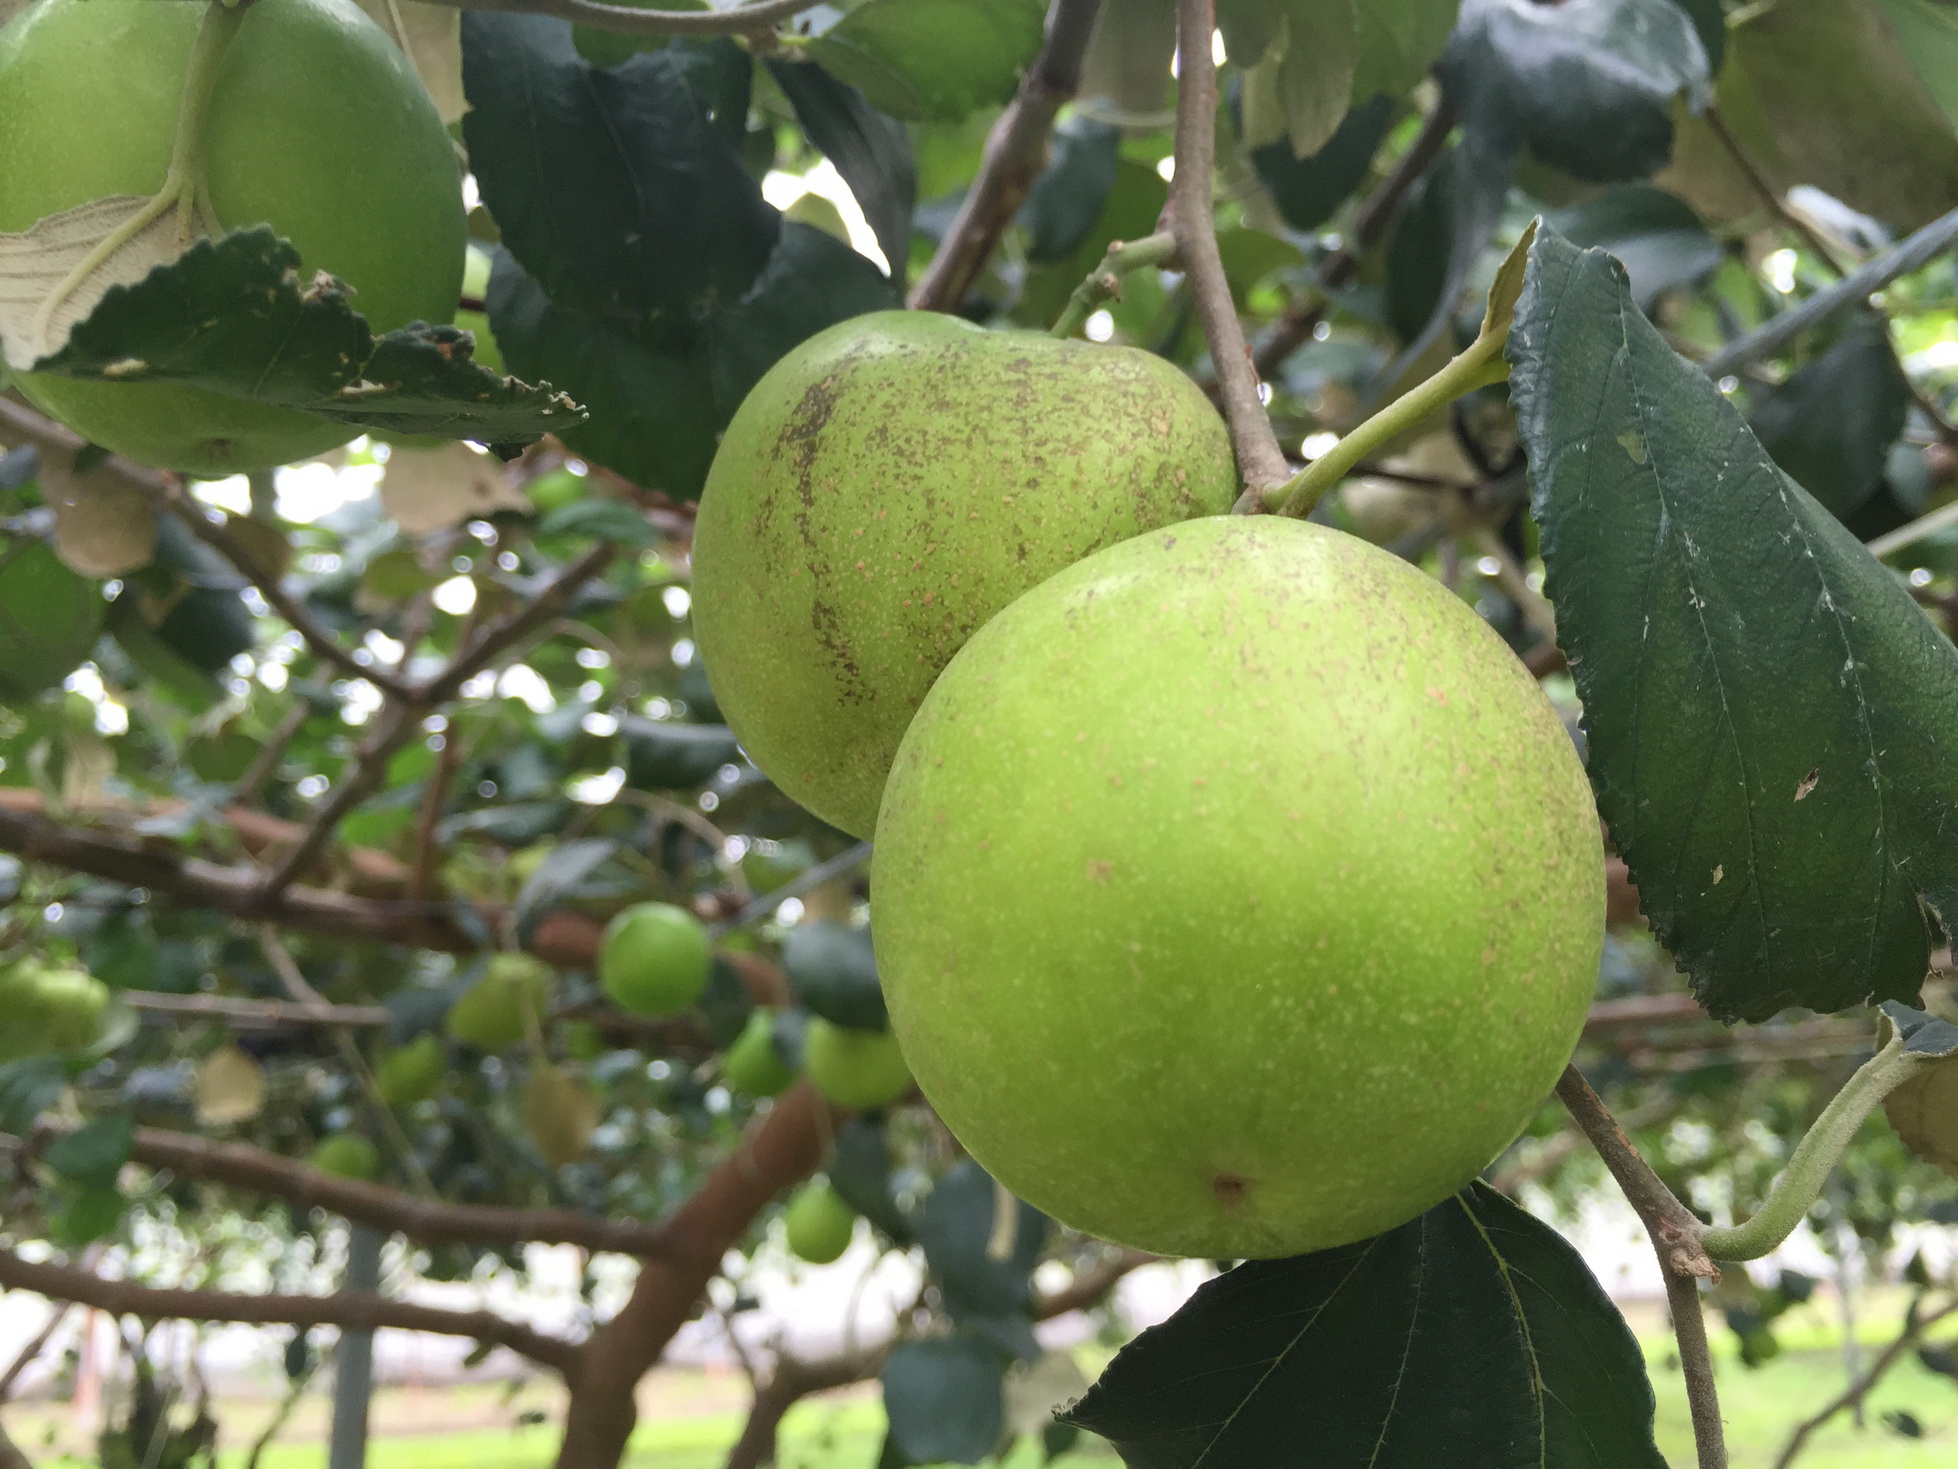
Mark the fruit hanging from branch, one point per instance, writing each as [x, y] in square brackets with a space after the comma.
[890, 485]
[1238, 892]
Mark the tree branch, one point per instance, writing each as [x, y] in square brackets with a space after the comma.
[742, 20]
[242, 1014]
[1683, 1261]
[1192, 220]
[1016, 152]
[1376, 212]
[398, 723]
[431, 1221]
[1913, 1332]
[348, 1310]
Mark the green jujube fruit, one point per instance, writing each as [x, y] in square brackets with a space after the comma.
[655, 959]
[1239, 894]
[861, 1069]
[495, 1013]
[348, 1155]
[820, 1224]
[412, 1073]
[318, 127]
[891, 484]
[752, 1065]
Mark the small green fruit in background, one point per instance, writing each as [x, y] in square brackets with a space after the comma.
[348, 1155]
[752, 1065]
[44, 1010]
[1239, 894]
[855, 1068]
[50, 616]
[654, 960]
[820, 1224]
[412, 1073]
[584, 1041]
[494, 1013]
[888, 486]
[318, 126]
[560, 1114]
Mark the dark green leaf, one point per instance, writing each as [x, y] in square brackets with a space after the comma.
[613, 186]
[1766, 708]
[237, 316]
[1471, 1335]
[1924, 1034]
[1448, 222]
[28, 1087]
[860, 1170]
[957, 1230]
[1586, 85]
[933, 59]
[1655, 235]
[813, 281]
[557, 878]
[835, 974]
[50, 617]
[94, 1154]
[945, 1400]
[665, 756]
[1398, 41]
[872, 152]
[1309, 191]
[1832, 424]
[652, 407]
[1067, 197]
[86, 1215]
[600, 520]
[725, 1002]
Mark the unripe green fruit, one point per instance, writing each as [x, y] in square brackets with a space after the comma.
[318, 127]
[412, 1073]
[752, 1065]
[891, 484]
[46, 1010]
[1238, 892]
[348, 1155]
[820, 1224]
[50, 617]
[495, 1012]
[584, 1041]
[855, 1068]
[655, 959]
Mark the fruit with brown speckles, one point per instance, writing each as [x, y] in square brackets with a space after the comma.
[890, 485]
[1238, 893]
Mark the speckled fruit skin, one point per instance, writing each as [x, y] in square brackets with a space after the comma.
[318, 127]
[890, 485]
[1238, 893]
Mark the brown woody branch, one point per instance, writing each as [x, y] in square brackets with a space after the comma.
[1192, 221]
[1338, 269]
[430, 1221]
[348, 1310]
[1016, 152]
[1913, 1332]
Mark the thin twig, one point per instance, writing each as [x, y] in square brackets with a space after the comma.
[1016, 152]
[1852, 1396]
[1776, 205]
[394, 727]
[1683, 1261]
[243, 1014]
[741, 20]
[434, 798]
[30, 1353]
[272, 752]
[1192, 220]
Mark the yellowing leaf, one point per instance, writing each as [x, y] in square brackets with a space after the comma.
[39, 263]
[229, 1087]
[431, 489]
[103, 526]
[559, 1113]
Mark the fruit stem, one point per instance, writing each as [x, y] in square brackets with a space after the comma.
[183, 186]
[1815, 1157]
[1480, 364]
[1104, 282]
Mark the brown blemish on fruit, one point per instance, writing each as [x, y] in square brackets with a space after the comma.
[1230, 1190]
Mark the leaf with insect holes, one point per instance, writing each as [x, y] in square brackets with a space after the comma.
[1767, 710]
[234, 316]
[103, 525]
[1924, 1110]
[40, 266]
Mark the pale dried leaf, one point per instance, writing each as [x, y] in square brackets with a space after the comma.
[432, 37]
[86, 770]
[559, 1113]
[229, 1087]
[103, 526]
[432, 489]
[34, 265]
